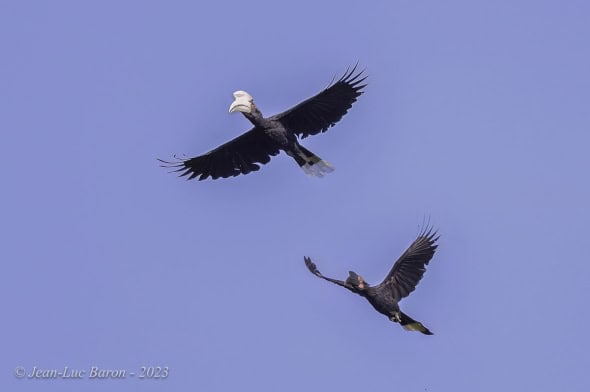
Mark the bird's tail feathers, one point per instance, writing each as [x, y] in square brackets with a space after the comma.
[312, 164]
[410, 324]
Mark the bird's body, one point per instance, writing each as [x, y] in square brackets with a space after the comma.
[272, 130]
[280, 132]
[383, 302]
[399, 283]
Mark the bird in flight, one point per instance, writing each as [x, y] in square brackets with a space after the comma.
[270, 135]
[401, 280]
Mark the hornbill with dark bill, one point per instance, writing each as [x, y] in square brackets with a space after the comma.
[399, 283]
[269, 135]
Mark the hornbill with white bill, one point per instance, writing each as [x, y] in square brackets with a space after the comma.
[399, 282]
[270, 135]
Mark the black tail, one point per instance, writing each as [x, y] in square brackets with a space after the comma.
[410, 324]
[311, 163]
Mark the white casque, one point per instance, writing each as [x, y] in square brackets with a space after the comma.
[242, 102]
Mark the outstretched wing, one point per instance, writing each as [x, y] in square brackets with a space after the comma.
[314, 270]
[325, 109]
[238, 156]
[410, 267]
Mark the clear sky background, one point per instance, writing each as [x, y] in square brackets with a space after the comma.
[476, 116]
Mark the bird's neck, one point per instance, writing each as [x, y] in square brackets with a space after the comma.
[255, 117]
[366, 291]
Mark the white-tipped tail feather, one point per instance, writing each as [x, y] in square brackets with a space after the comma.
[310, 163]
[318, 168]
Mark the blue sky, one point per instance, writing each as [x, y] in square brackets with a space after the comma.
[476, 116]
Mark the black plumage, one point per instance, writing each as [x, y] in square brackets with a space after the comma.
[401, 280]
[269, 136]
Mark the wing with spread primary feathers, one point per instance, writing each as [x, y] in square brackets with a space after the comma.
[410, 267]
[326, 108]
[314, 270]
[241, 155]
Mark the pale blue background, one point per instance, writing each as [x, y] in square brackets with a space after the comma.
[476, 115]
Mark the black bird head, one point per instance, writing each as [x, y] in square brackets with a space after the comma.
[356, 281]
